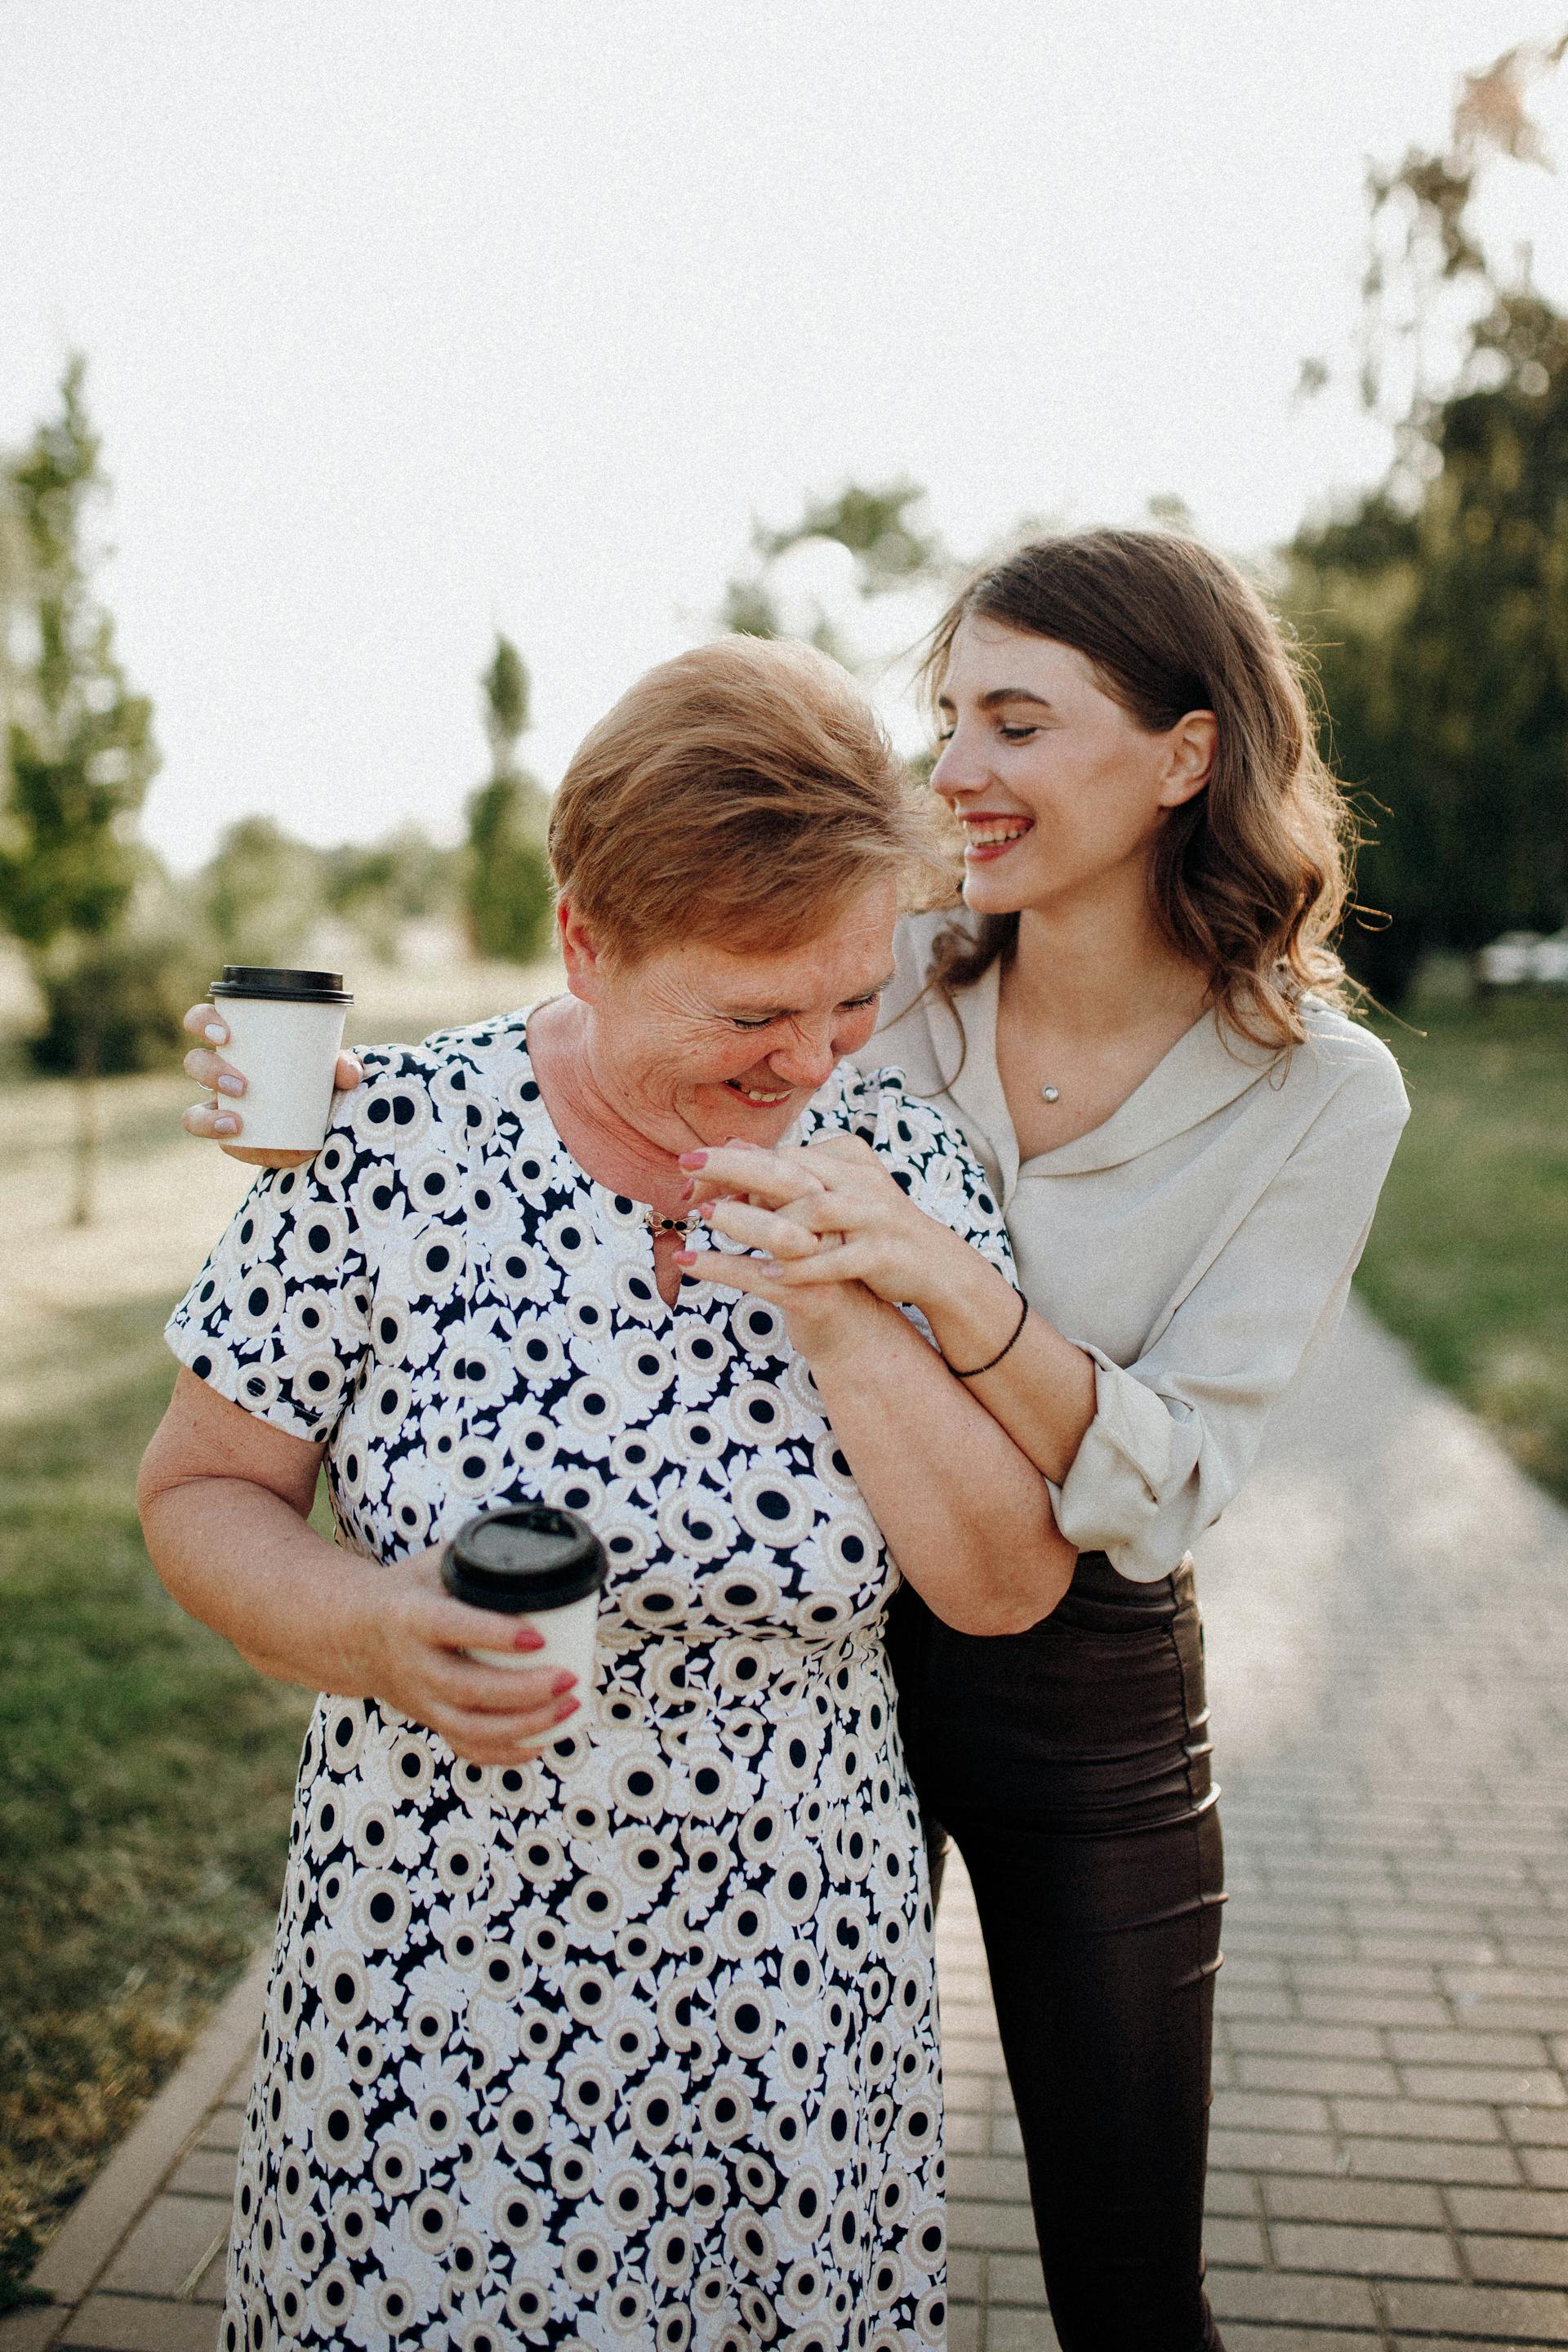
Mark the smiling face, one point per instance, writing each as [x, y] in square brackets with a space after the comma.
[1059, 791]
[697, 1043]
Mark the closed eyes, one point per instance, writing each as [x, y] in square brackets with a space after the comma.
[768, 1020]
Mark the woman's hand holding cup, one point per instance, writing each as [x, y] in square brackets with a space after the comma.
[221, 1120]
[418, 1641]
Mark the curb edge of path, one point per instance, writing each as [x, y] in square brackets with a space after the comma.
[109, 2209]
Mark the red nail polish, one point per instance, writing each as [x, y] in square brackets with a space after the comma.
[528, 1637]
[693, 1159]
[563, 1684]
[686, 1257]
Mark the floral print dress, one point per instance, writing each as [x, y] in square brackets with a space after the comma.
[634, 2045]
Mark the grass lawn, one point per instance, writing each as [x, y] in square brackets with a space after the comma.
[1468, 1259]
[145, 1804]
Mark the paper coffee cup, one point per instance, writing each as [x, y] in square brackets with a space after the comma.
[543, 1567]
[285, 1029]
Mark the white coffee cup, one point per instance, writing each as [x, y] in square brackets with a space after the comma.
[542, 1566]
[284, 1031]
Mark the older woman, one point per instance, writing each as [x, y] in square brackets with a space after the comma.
[606, 2022]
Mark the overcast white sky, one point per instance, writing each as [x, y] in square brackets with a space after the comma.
[407, 322]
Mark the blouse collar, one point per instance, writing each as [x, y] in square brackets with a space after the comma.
[1206, 1068]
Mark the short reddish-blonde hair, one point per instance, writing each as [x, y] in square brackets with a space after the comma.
[744, 791]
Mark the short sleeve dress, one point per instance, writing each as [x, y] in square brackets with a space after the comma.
[633, 2046]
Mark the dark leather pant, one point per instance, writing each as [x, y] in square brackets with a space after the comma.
[1070, 1765]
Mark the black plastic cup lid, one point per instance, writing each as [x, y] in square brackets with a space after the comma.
[279, 980]
[527, 1557]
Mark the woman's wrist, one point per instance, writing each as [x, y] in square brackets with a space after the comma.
[844, 1330]
[970, 1303]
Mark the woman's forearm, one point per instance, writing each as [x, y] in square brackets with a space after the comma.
[1042, 1390]
[965, 1516]
[243, 1560]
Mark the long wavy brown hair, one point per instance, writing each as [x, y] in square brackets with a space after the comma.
[1249, 880]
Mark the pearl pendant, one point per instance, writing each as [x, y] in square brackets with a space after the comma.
[1049, 1093]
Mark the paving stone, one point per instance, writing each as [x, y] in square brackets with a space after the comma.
[975, 2053]
[1467, 2046]
[1230, 2192]
[1523, 2211]
[1508, 1983]
[1231, 2240]
[1249, 2000]
[967, 2134]
[1537, 2127]
[1453, 2343]
[165, 2245]
[1550, 2017]
[1362, 1976]
[1373, 2009]
[1393, 2204]
[965, 2328]
[1255, 2151]
[1500, 2315]
[1246, 1969]
[1415, 2119]
[206, 2172]
[966, 2274]
[1278, 2295]
[1369, 2253]
[1431, 2159]
[1516, 2262]
[1002, 2178]
[1359, 2077]
[1545, 2168]
[1020, 2331]
[1297, 2038]
[1437, 1947]
[985, 2226]
[1240, 2335]
[1495, 2085]
[125, 2323]
[223, 2128]
[1267, 2111]
[1015, 2279]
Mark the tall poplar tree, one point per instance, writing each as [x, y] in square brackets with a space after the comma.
[507, 885]
[79, 752]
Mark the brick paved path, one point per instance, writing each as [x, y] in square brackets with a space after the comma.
[1387, 1612]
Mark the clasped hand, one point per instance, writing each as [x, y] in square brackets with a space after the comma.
[827, 1218]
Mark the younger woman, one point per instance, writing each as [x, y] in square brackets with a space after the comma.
[1138, 1022]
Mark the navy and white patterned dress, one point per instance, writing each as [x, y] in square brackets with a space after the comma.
[634, 2046]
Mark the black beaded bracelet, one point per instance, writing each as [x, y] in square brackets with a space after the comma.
[992, 1362]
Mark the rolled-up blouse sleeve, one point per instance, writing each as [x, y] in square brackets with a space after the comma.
[1175, 1433]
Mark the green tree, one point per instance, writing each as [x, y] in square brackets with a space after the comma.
[79, 755]
[1438, 603]
[880, 528]
[379, 887]
[507, 888]
[262, 891]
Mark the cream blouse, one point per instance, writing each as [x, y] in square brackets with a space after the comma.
[1197, 1246]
